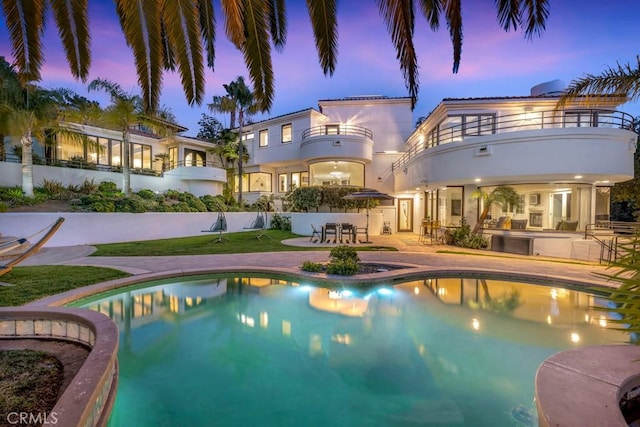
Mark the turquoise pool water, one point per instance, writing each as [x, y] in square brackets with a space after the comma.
[255, 351]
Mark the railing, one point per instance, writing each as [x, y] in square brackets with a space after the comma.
[200, 164]
[350, 130]
[613, 227]
[516, 123]
[615, 238]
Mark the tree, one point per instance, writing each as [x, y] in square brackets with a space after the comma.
[502, 195]
[239, 101]
[172, 35]
[34, 119]
[625, 196]
[125, 110]
[210, 128]
[622, 82]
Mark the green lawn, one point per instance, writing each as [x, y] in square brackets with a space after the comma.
[33, 283]
[233, 243]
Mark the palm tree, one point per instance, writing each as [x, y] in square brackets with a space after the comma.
[238, 101]
[502, 195]
[622, 82]
[170, 35]
[37, 119]
[125, 111]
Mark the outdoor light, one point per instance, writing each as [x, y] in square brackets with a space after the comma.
[477, 180]
[578, 177]
[575, 337]
[475, 324]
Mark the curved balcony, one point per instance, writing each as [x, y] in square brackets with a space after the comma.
[541, 149]
[337, 142]
[197, 172]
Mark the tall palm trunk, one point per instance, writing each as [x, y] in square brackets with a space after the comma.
[240, 155]
[27, 164]
[126, 171]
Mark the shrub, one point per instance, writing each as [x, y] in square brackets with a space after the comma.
[464, 238]
[102, 206]
[172, 194]
[53, 188]
[213, 203]
[310, 266]
[344, 253]
[88, 186]
[346, 267]
[280, 222]
[147, 194]
[4, 207]
[106, 187]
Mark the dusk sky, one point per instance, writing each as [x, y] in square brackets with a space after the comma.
[581, 37]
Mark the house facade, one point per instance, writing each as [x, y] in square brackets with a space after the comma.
[562, 162]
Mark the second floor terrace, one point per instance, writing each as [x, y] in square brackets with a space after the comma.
[486, 127]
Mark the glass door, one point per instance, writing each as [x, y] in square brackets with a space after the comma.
[560, 207]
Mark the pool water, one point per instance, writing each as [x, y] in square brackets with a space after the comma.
[256, 351]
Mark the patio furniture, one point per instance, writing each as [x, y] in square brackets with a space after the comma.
[386, 227]
[347, 233]
[316, 233]
[519, 224]
[330, 229]
[362, 230]
[567, 225]
[218, 226]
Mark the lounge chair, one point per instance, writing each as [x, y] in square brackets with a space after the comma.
[218, 226]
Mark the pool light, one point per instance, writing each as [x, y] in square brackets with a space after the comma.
[385, 291]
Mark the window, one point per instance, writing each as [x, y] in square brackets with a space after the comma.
[116, 153]
[282, 183]
[520, 207]
[332, 129]
[480, 124]
[264, 138]
[286, 133]
[259, 181]
[248, 136]
[304, 177]
[295, 180]
[194, 157]
[173, 157]
[141, 156]
[336, 173]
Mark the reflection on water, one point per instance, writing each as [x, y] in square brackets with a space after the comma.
[260, 351]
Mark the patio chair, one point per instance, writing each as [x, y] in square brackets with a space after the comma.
[386, 227]
[218, 226]
[347, 233]
[331, 229]
[315, 233]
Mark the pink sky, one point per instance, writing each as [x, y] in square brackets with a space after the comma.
[577, 40]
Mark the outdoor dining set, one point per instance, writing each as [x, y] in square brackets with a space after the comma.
[333, 232]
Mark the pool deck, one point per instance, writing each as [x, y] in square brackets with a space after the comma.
[426, 258]
[568, 390]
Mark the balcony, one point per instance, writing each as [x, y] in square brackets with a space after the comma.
[197, 172]
[527, 147]
[337, 142]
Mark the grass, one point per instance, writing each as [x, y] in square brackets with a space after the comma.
[33, 283]
[233, 243]
[29, 382]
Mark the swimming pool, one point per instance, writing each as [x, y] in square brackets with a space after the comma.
[245, 351]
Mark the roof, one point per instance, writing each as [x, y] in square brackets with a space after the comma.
[279, 116]
[365, 98]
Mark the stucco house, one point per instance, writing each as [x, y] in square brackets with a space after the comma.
[562, 162]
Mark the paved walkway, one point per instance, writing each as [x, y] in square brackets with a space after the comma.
[428, 258]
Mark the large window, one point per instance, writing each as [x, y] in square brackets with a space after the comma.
[194, 157]
[336, 173]
[257, 181]
[286, 133]
[173, 157]
[141, 156]
[264, 138]
[282, 183]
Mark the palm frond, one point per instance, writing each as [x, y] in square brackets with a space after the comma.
[431, 9]
[182, 23]
[278, 21]
[141, 27]
[25, 22]
[234, 25]
[72, 20]
[400, 20]
[621, 82]
[114, 90]
[168, 57]
[509, 16]
[257, 53]
[537, 14]
[324, 21]
[453, 13]
[208, 29]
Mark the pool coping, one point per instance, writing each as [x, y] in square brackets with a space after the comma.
[89, 397]
[565, 386]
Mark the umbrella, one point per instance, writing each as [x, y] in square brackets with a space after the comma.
[368, 195]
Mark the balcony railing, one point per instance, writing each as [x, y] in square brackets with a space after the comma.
[350, 130]
[535, 120]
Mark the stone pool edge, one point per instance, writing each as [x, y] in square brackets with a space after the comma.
[564, 387]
